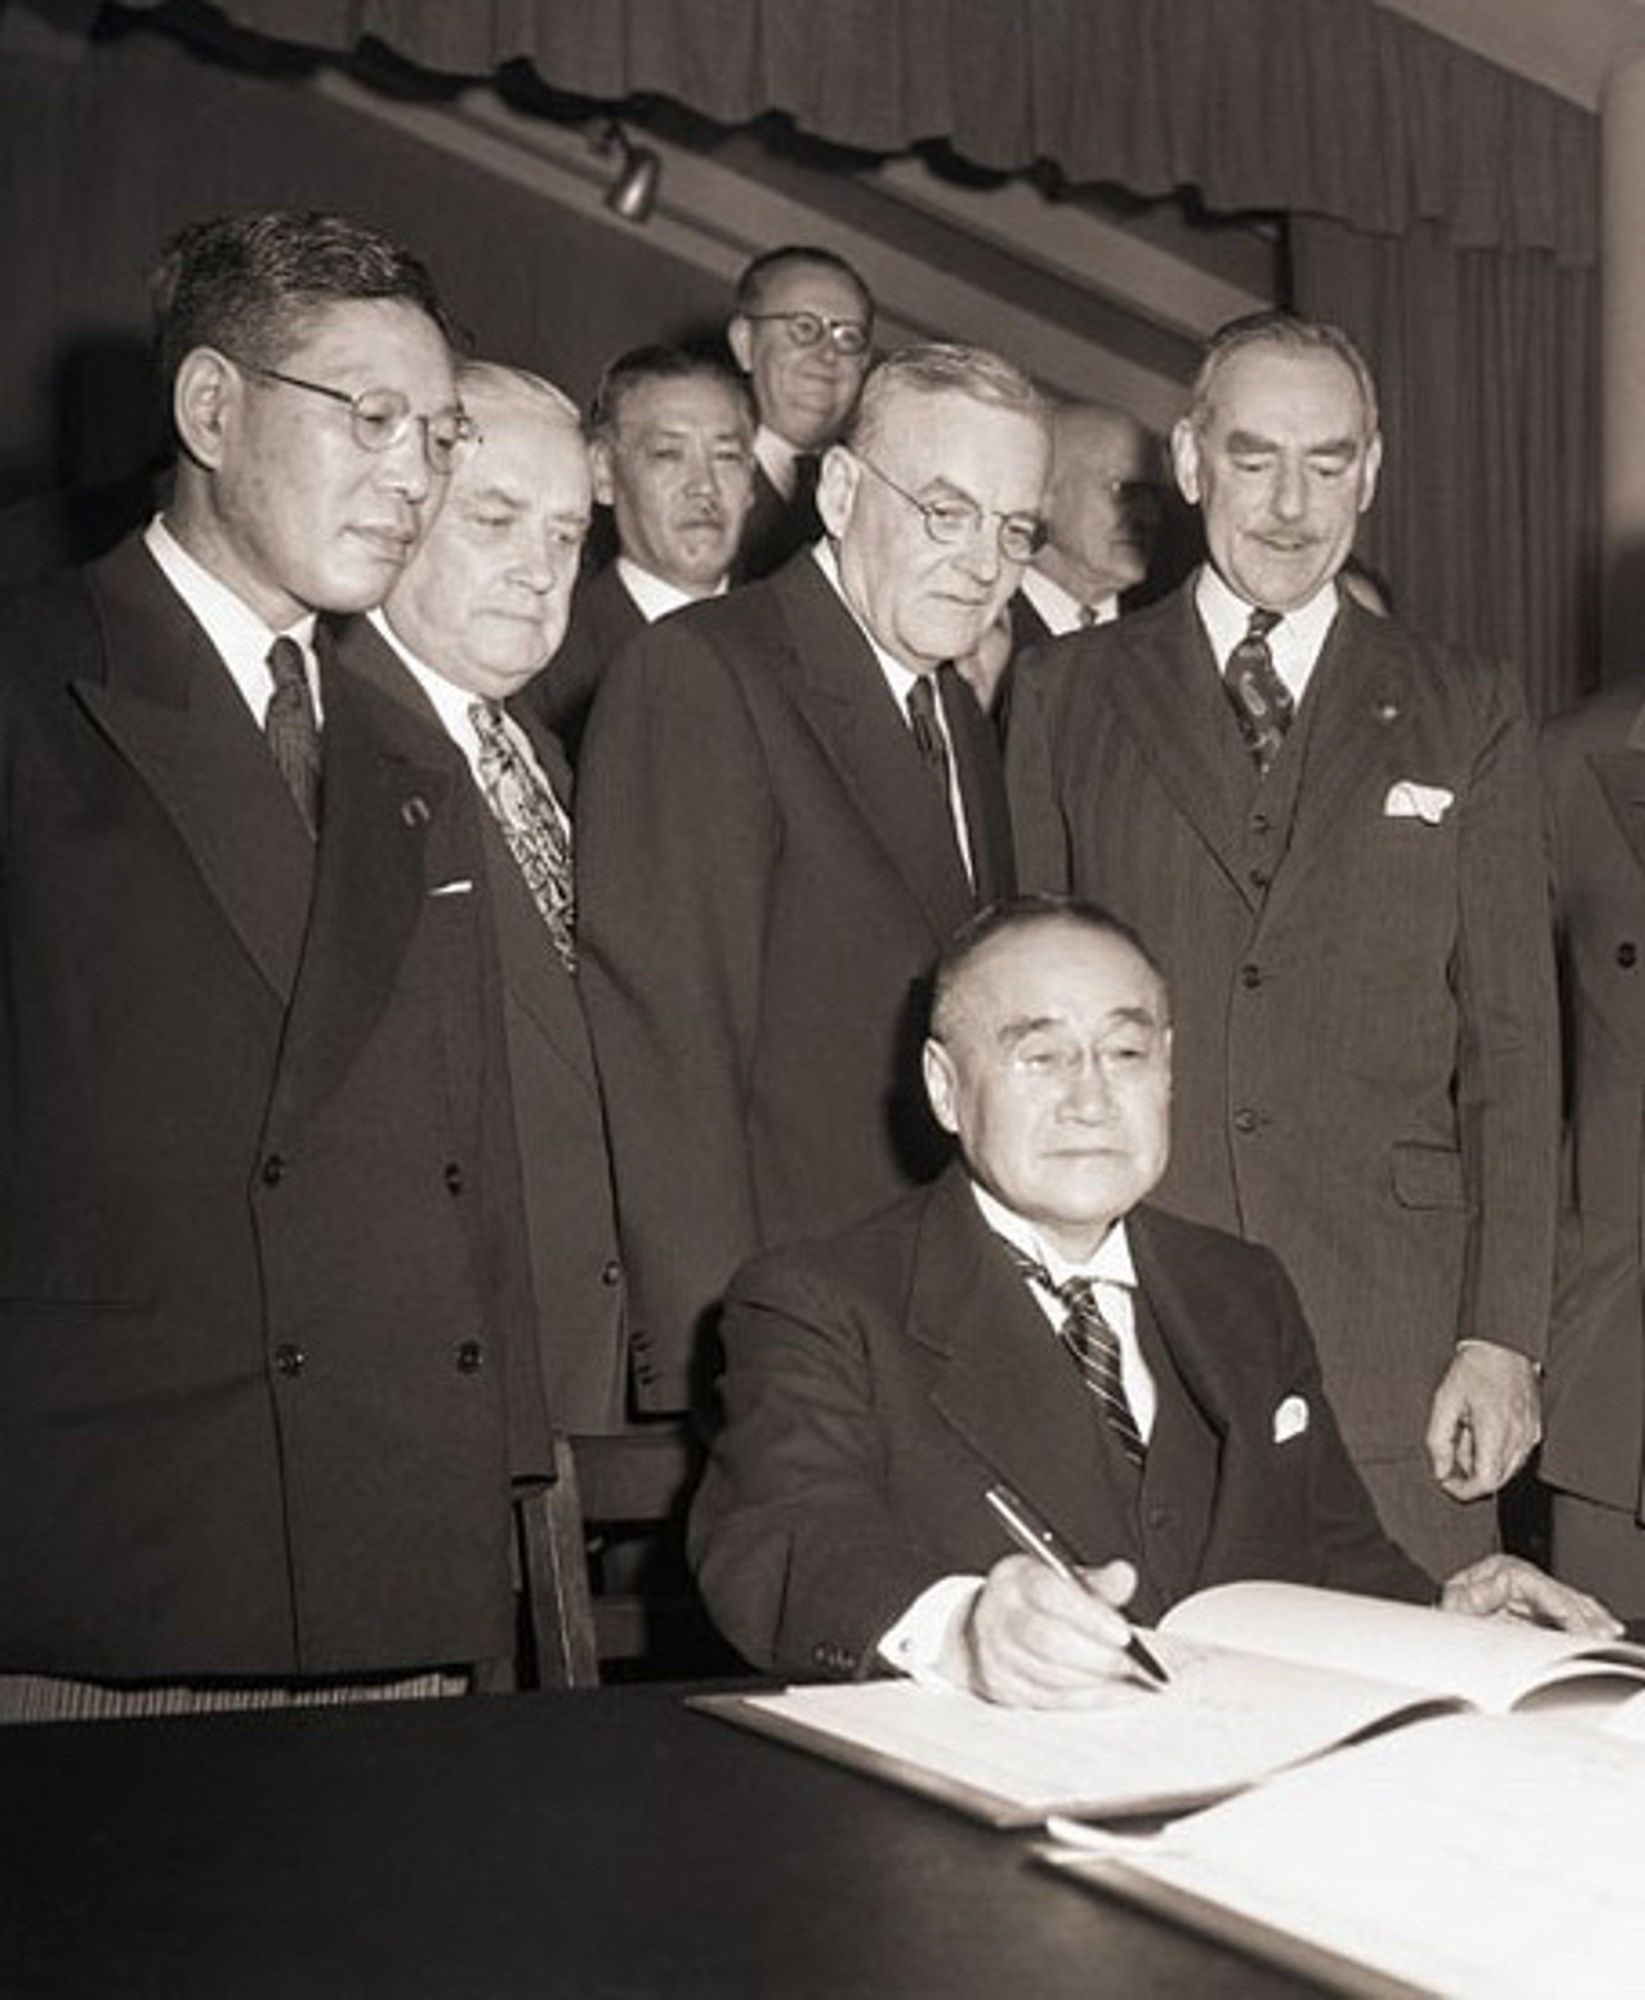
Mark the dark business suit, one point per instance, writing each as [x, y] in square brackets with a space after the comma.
[565, 1169]
[603, 619]
[778, 526]
[1362, 997]
[264, 1350]
[1594, 1449]
[766, 874]
[877, 1384]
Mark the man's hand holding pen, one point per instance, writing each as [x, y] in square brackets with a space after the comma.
[1034, 1639]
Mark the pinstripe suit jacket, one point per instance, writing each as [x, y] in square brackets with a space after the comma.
[1365, 1051]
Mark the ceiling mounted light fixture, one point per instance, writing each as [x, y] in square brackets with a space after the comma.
[633, 192]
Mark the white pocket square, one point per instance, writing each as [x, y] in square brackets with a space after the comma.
[1408, 800]
[461, 887]
[1291, 1418]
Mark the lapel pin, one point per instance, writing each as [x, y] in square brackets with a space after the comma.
[1387, 711]
[415, 810]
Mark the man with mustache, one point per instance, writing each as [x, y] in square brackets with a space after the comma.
[671, 436]
[265, 1350]
[787, 799]
[1328, 829]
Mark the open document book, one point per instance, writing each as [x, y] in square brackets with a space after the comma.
[1263, 1675]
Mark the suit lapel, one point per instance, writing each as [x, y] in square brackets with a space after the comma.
[844, 697]
[392, 786]
[1363, 691]
[1169, 696]
[170, 706]
[999, 1376]
[981, 777]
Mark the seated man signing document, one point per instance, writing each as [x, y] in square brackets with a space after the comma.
[1145, 1384]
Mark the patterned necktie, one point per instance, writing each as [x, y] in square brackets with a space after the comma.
[928, 736]
[537, 836]
[292, 733]
[1095, 1347]
[1262, 702]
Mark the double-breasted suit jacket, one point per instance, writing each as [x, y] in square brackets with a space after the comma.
[878, 1383]
[1594, 769]
[1359, 961]
[604, 617]
[765, 874]
[565, 1167]
[264, 1360]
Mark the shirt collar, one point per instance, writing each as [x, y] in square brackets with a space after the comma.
[655, 595]
[777, 459]
[238, 634]
[1296, 642]
[1060, 608]
[898, 677]
[450, 702]
[1109, 1264]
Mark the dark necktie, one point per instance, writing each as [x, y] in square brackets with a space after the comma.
[1095, 1347]
[1262, 701]
[289, 725]
[928, 736]
[1090, 614]
[537, 837]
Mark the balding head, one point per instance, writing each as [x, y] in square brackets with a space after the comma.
[1101, 503]
[484, 603]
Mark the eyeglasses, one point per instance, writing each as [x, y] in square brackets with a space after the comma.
[379, 419]
[806, 329]
[1021, 536]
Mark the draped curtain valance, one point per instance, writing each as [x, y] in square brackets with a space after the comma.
[1328, 107]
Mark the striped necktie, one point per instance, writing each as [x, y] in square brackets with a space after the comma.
[1095, 1347]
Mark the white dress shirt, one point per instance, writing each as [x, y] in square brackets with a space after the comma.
[1062, 611]
[654, 595]
[238, 636]
[1296, 642]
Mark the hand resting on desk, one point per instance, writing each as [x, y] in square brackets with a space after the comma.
[1509, 1583]
[1031, 1640]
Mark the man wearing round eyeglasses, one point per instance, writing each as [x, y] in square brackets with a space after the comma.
[787, 799]
[802, 332]
[264, 1354]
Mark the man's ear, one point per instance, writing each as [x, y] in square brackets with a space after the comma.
[838, 477]
[1185, 459]
[739, 337]
[599, 470]
[205, 397]
[1368, 472]
[940, 1083]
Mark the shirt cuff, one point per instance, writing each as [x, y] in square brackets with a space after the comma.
[914, 1645]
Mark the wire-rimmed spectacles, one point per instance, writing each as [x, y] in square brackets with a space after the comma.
[379, 419]
[950, 522]
[808, 329]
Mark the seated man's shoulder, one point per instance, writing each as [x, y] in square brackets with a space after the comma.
[866, 1263]
[1176, 1242]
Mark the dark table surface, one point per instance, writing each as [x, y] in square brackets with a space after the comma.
[604, 1843]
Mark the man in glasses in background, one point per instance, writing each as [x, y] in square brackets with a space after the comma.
[801, 331]
[265, 1362]
[787, 800]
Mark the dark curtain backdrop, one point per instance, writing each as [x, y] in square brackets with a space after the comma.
[1444, 210]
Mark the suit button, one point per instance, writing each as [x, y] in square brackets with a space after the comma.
[290, 1359]
[454, 1177]
[1626, 954]
[1159, 1517]
[611, 1273]
[274, 1170]
[470, 1357]
[1246, 1120]
[1260, 822]
[1259, 878]
[1250, 977]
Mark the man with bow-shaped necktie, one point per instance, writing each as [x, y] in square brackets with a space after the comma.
[1144, 1387]
[265, 1361]
[1329, 830]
